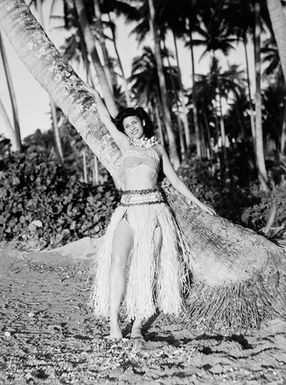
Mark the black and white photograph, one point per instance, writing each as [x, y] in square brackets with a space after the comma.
[142, 192]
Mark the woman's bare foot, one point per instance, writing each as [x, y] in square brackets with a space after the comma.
[115, 332]
[136, 331]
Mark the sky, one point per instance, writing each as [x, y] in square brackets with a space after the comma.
[33, 100]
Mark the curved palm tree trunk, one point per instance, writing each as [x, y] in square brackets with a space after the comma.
[105, 55]
[124, 80]
[163, 89]
[18, 143]
[278, 21]
[7, 127]
[259, 151]
[58, 78]
[181, 96]
[104, 85]
[232, 267]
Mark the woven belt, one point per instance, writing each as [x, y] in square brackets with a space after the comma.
[140, 197]
[141, 192]
[141, 203]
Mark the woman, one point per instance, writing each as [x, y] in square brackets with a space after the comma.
[142, 234]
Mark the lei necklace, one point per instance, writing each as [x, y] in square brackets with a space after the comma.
[144, 142]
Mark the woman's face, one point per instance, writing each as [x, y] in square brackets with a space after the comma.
[133, 127]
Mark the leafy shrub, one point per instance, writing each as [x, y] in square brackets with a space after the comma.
[229, 201]
[257, 215]
[246, 205]
[32, 188]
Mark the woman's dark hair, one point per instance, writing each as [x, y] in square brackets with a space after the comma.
[139, 113]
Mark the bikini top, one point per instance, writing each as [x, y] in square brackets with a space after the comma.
[141, 155]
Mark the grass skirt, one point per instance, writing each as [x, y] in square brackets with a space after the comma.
[154, 280]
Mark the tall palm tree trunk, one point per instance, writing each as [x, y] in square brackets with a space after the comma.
[57, 137]
[283, 131]
[123, 77]
[225, 162]
[252, 120]
[103, 81]
[181, 96]
[182, 146]
[194, 100]
[160, 128]
[7, 127]
[105, 55]
[259, 150]
[163, 89]
[278, 21]
[12, 95]
[208, 132]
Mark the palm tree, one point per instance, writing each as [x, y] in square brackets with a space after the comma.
[278, 23]
[101, 40]
[17, 143]
[144, 78]
[274, 112]
[90, 44]
[145, 84]
[235, 247]
[130, 13]
[7, 127]
[259, 150]
[239, 14]
[163, 90]
[57, 137]
[123, 77]
[182, 96]
[171, 16]
[212, 88]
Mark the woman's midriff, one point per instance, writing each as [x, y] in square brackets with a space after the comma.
[140, 178]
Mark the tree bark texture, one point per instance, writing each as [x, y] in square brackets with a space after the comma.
[105, 55]
[90, 43]
[163, 89]
[6, 126]
[278, 21]
[194, 101]
[237, 276]
[182, 97]
[57, 77]
[252, 120]
[124, 80]
[12, 94]
[57, 137]
[259, 150]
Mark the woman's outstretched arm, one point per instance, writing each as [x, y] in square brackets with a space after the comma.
[178, 184]
[120, 138]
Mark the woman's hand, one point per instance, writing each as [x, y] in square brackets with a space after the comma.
[207, 209]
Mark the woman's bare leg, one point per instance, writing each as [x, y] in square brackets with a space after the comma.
[121, 246]
[136, 331]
